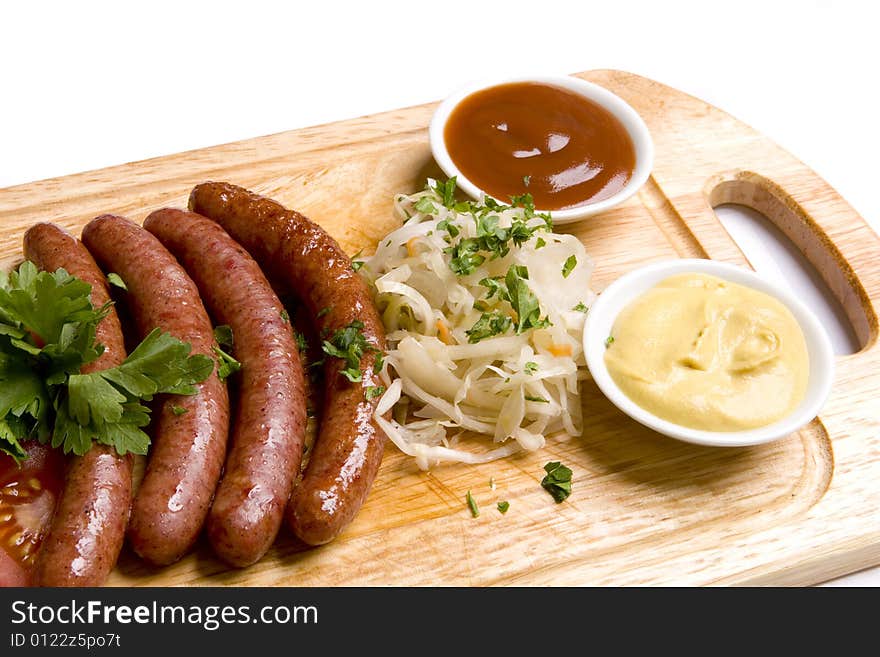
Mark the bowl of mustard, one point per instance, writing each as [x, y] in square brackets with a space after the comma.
[709, 353]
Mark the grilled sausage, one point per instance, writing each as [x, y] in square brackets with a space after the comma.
[88, 528]
[298, 253]
[189, 439]
[269, 427]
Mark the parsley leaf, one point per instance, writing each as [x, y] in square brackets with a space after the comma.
[350, 345]
[569, 265]
[503, 506]
[179, 410]
[452, 229]
[609, 340]
[226, 364]
[535, 398]
[557, 481]
[465, 258]
[50, 314]
[161, 363]
[446, 192]
[373, 391]
[523, 300]
[105, 405]
[581, 307]
[223, 336]
[496, 286]
[357, 264]
[489, 324]
[491, 237]
[23, 401]
[540, 243]
[425, 206]
[531, 367]
[116, 280]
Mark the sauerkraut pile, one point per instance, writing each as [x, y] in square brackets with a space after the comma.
[484, 307]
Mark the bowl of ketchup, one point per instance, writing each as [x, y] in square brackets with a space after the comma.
[576, 147]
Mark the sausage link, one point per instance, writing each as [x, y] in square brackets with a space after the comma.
[269, 428]
[189, 441]
[300, 254]
[88, 528]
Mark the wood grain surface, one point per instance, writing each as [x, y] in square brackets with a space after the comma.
[646, 510]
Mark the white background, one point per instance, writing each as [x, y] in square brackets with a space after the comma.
[88, 85]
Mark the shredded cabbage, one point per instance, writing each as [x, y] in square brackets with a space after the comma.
[484, 308]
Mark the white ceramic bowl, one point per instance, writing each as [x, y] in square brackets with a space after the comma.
[635, 126]
[627, 288]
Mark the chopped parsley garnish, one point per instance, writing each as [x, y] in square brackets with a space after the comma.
[446, 191]
[489, 324]
[533, 398]
[514, 290]
[179, 410]
[472, 505]
[465, 258]
[47, 333]
[581, 307]
[373, 391]
[523, 300]
[539, 243]
[503, 506]
[496, 286]
[526, 180]
[526, 202]
[323, 312]
[557, 481]
[609, 340]
[520, 232]
[569, 266]
[116, 280]
[285, 316]
[452, 229]
[356, 265]
[531, 367]
[425, 206]
[350, 345]
[491, 237]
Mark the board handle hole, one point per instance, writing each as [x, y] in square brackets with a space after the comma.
[781, 240]
[776, 257]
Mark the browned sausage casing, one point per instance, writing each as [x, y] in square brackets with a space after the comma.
[301, 256]
[269, 427]
[88, 528]
[189, 445]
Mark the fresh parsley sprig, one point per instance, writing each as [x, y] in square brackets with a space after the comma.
[47, 333]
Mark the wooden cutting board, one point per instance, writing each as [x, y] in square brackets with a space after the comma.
[646, 510]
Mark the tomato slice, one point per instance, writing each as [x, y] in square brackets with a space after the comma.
[28, 495]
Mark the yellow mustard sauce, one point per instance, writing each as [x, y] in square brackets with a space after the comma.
[709, 354]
